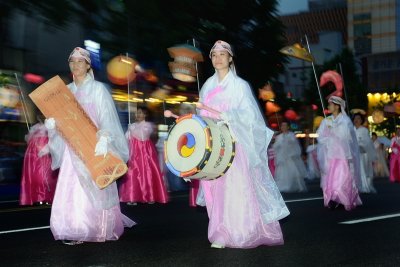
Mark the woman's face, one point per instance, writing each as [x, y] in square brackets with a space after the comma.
[220, 60]
[78, 66]
[374, 137]
[332, 107]
[357, 121]
[140, 115]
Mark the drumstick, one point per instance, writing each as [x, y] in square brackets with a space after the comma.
[168, 114]
[202, 106]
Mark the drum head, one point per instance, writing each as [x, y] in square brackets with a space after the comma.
[188, 145]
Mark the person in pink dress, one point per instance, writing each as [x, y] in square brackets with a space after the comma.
[339, 158]
[244, 205]
[395, 158]
[38, 181]
[81, 212]
[143, 182]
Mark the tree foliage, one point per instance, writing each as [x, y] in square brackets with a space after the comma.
[146, 29]
[356, 93]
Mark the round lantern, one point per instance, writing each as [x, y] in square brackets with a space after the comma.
[121, 70]
[291, 115]
[378, 116]
[8, 97]
[271, 108]
[317, 121]
[396, 106]
[185, 57]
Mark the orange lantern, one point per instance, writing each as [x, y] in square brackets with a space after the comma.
[121, 70]
[185, 57]
[271, 107]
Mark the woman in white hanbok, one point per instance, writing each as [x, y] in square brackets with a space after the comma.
[290, 170]
[312, 161]
[339, 158]
[381, 164]
[367, 155]
[81, 211]
[243, 205]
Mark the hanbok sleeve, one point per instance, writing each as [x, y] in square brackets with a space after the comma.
[247, 124]
[108, 122]
[56, 146]
[365, 143]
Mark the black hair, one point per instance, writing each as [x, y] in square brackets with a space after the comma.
[361, 117]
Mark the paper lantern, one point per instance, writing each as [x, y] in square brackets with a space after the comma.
[317, 121]
[378, 116]
[33, 78]
[121, 70]
[291, 115]
[396, 106]
[8, 97]
[271, 108]
[266, 93]
[314, 107]
[185, 57]
[336, 79]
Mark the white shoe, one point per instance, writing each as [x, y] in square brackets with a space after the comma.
[215, 245]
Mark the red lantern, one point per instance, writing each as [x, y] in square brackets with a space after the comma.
[314, 107]
[291, 115]
[33, 78]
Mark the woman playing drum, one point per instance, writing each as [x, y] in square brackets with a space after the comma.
[243, 205]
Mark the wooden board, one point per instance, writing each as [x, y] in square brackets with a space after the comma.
[55, 100]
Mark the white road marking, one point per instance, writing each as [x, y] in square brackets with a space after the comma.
[370, 219]
[303, 199]
[24, 230]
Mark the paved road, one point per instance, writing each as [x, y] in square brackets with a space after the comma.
[176, 235]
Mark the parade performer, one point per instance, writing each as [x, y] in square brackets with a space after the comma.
[381, 164]
[38, 181]
[367, 155]
[81, 211]
[290, 169]
[339, 158]
[243, 205]
[395, 157]
[143, 182]
[312, 161]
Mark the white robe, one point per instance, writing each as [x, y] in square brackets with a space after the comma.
[290, 170]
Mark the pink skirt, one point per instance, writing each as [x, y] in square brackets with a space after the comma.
[233, 209]
[143, 182]
[38, 181]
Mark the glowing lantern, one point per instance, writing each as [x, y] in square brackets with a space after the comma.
[8, 97]
[314, 107]
[33, 78]
[271, 107]
[185, 57]
[396, 106]
[317, 121]
[291, 115]
[378, 116]
[121, 70]
[266, 93]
